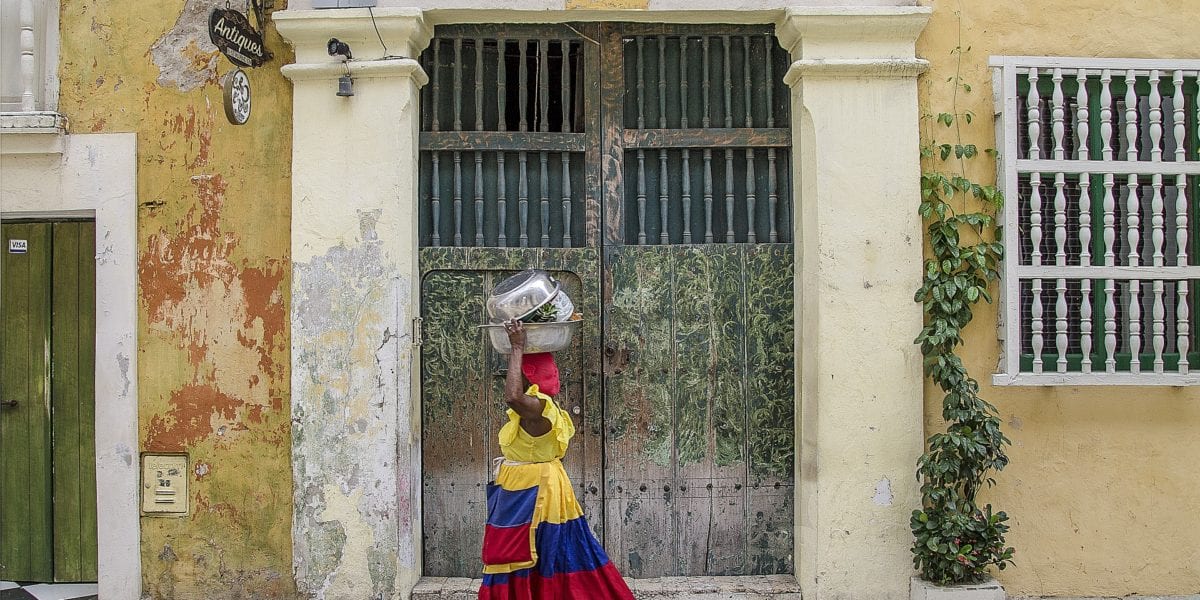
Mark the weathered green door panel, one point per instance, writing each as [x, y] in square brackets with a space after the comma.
[458, 418]
[72, 386]
[26, 535]
[698, 409]
[639, 388]
[463, 392]
[771, 431]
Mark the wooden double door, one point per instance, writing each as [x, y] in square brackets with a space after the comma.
[646, 166]
[47, 408]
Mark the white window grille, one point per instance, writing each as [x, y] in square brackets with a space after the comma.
[28, 55]
[1100, 164]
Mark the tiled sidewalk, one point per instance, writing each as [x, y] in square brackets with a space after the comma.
[47, 591]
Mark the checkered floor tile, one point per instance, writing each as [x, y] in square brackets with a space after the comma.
[47, 591]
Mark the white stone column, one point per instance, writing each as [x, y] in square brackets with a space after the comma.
[859, 250]
[355, 398]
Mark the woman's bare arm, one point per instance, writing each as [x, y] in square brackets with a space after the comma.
[528, 408]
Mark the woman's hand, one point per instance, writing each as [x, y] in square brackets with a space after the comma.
[516, 334]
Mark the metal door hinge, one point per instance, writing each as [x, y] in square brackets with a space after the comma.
[416, 331]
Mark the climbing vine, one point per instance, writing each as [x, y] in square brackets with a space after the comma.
[955, 539]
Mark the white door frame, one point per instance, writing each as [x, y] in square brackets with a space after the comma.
[46, 174]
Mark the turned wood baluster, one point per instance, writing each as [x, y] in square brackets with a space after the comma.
[663, 192]
[1182, 308]
[683, 123]
[750, 198]
[1058, 130]
[772, 183]
[1158, 327]
[641, 154]
[1133, 222]
[1110, 227]
[1085, 221]
[1034, 117]
[501, 125]
[435, 183]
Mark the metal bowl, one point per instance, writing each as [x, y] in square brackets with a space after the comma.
[539, 337]
[518, 296]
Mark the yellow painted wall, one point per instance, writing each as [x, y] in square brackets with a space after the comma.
[1103, 489]
[213, 242]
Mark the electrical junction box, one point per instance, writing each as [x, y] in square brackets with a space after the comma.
[345, 3]
[164, 484]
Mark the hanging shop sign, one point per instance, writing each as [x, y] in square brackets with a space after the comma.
[236, 88]
[232, 34]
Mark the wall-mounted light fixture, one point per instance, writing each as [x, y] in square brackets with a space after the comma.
[337, 47]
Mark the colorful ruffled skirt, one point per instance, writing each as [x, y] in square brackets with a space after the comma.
[537, 544]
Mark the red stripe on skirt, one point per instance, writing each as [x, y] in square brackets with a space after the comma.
[604, 583]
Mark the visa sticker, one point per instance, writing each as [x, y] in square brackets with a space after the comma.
[18, 246]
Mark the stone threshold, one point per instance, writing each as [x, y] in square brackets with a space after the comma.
[758, 587]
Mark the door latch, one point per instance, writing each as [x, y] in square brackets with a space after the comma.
[416, 331]
[9, 403]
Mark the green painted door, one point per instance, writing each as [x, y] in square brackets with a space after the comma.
[647, 166]
[26, 505]
[47, 443]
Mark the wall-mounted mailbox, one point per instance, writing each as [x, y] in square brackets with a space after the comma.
[164, 484]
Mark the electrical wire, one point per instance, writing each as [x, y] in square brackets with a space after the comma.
[386, 55]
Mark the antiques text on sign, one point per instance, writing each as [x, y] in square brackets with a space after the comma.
[232, 34]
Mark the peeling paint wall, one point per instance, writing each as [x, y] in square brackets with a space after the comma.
[1102, 488]
[346, 351]
[213, 277]
[355, 443]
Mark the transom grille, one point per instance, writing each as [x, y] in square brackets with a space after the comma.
[511, 126]
[503, 138]
[706, 134]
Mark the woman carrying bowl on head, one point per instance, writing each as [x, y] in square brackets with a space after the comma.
[537, 544]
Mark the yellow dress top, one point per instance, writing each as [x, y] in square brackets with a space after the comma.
[518, 446]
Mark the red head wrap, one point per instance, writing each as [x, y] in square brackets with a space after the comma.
[540, 369]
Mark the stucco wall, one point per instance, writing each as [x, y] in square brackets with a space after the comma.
[624, 5]
[1102, 489]
[213, 244]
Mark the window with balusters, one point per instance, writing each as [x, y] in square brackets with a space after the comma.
[1101, 171]
[525, 129]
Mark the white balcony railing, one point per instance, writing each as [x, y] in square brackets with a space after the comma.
[28, 53]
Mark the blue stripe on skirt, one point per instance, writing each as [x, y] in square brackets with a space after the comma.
[509, 508]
